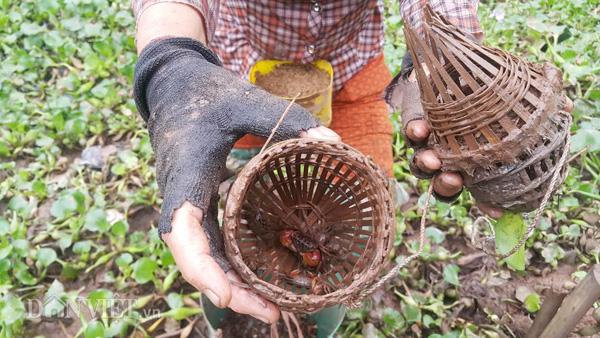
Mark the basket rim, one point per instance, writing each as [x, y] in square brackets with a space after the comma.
[285, 298]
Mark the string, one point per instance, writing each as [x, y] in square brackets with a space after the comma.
[286, 316]
[356, 300]
[538, 213]
[285, 112]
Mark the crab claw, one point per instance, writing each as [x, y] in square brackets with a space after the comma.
[317, 288]
[311, 258]
[285, 238]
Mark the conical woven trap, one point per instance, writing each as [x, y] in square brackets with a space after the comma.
[332, 199]
[483, 104]
[522, 186]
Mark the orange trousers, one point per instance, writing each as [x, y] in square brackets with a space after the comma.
[360, 115]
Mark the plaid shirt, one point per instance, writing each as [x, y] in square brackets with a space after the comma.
[347, 33]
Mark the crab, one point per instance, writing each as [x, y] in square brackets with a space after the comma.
[308, 251]
[308, 280]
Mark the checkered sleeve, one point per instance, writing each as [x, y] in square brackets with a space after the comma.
[209, 10]
[462, 13]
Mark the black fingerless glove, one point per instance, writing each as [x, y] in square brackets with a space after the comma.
[196, 110]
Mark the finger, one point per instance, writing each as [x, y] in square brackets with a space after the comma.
[490, 211]
[418, 131]
[247, 302]
[448, 184]
[428, 161]
[190, 248]
[321, 133]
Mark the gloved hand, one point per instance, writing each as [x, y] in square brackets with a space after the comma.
[196, 110]
[403, 94]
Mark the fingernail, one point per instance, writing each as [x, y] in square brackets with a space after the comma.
[216, 300]
[329, 132]
[419, 132]
[450, 181]
[430, 163]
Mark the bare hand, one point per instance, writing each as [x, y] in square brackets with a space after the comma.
[448, 183]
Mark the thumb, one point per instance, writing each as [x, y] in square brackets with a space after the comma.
[191, 250]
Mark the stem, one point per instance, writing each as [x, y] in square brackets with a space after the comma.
[587, 194]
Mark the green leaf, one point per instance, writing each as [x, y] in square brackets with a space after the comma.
[392, 319]
[30, 28]
[143, 270]
[23, 274]
[120, 228]
[82, 247]
[182, 312]
[117, 328]
[4, 226]
[510, 228]
[451, 274]
[586, 138]
[95, 220]
[46, 256]
[100, 298]
[552, 253]
[64, 206]
[54, 300]
[412, 313]
[174, 300]
[39, 188]
[124, 260]
[72, 24]
[19, 204]
[94, 329]
[532, 302]
[572, 231]
[5, 250]
[11, 309]
[435, 235]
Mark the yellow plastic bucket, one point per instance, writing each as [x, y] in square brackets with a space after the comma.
[319, 104]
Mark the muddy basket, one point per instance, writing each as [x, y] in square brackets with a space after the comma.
[522, 186]
[483, 104]
[309, 224]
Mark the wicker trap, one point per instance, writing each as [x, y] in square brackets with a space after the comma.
[522, 186]
[483, 104]
[309, 224]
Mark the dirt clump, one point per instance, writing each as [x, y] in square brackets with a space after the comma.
[289, 79]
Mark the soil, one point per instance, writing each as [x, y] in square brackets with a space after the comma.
[287, 80]
[242, 326]
[141, 218]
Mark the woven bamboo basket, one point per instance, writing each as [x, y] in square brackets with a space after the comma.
[522, 186]
[333, 199]
[483, 104]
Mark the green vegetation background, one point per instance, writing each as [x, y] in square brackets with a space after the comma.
[67, 231]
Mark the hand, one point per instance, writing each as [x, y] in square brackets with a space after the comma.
[404, 95]
[196, 111]
[191, 250]
[447, 184]
[192, 253]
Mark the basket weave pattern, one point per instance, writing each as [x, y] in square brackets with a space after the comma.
[495, 118]
[528, 180]
[330, 193]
